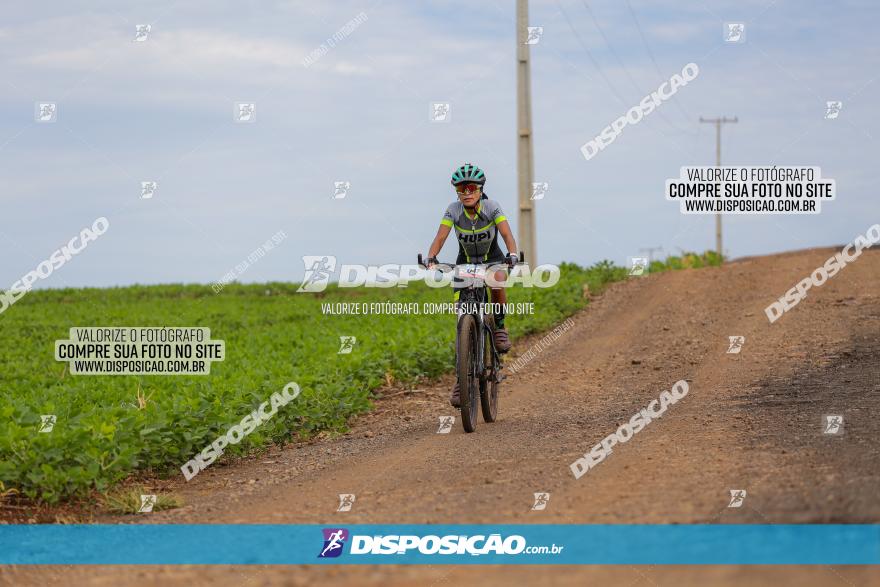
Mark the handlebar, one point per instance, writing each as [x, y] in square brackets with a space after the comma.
[422, 263]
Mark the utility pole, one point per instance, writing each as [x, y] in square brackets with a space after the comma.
[650, 252]
[718, 122]
[526, 240]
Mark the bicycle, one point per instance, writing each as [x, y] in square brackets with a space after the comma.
[478, 373]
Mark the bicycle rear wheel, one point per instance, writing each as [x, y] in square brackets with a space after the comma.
[466, 366]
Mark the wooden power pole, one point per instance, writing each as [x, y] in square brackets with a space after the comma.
[526, 239]
[718, 122]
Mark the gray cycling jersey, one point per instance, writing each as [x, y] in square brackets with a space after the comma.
[477, 236]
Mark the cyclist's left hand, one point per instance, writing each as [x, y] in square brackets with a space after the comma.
[512, 259]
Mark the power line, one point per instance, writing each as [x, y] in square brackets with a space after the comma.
[595, 63]
[653, 60]
[604, 77]
[610, 48]
[629, 76]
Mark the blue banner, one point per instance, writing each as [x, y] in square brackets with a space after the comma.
[728, 544]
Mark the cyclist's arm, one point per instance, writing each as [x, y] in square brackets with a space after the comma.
[507, 235]
[435, 247]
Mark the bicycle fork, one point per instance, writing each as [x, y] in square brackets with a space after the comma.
[480, 366]
[487, 332]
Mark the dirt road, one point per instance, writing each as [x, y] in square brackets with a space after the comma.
[751, 421]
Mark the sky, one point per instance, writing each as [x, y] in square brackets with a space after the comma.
[163, 110]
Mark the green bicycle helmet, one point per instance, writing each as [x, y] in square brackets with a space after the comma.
[468, 173]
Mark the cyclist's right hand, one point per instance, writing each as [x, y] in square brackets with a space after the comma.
[431, 263]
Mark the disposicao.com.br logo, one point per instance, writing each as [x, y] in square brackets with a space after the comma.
[319, 269]
[334, 540]
[393, 544]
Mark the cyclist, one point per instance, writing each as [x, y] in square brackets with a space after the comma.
[477, 221]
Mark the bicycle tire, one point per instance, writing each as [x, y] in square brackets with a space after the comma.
[466, 359]
[488, 386]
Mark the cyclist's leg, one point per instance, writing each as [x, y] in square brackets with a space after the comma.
[499, 297]
[498, 291]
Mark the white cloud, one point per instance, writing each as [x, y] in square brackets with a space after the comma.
[174, 50]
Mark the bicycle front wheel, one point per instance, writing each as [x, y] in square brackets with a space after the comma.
[488, 385]
[468, 381]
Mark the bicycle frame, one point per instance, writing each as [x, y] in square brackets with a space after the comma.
[475, 293]
[471, 298]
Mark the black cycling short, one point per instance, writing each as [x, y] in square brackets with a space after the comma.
[495, 256]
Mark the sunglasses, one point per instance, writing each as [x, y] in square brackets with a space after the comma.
[468, 189]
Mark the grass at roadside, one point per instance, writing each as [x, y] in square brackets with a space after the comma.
[131, 501]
